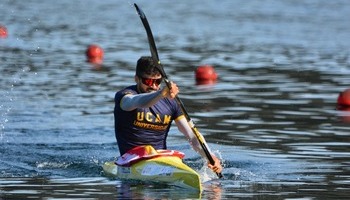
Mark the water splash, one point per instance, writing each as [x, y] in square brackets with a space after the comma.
[8, 98]
[4, 111]
[52, 165]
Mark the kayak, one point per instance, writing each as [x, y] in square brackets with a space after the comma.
[160, 166]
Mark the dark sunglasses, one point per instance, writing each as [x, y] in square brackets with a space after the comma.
[150, 81]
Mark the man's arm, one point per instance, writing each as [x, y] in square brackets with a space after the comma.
[132, 101]
[184, 128]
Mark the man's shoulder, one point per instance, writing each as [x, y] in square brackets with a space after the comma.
[127, 90]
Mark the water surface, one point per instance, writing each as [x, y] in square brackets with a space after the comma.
[271, 116]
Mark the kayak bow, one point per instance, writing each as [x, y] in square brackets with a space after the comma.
[163, 166]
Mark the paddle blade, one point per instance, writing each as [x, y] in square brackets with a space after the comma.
[151, 42]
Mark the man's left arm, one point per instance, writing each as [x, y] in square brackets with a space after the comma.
[185, 128]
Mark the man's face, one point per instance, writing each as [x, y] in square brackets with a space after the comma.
[148, 83]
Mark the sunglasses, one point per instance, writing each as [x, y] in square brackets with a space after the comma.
[150, 81]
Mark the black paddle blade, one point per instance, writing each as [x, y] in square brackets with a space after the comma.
[152, 44]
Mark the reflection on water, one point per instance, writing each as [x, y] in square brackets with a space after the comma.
[40, 188]
[271, 115]
[101, 188]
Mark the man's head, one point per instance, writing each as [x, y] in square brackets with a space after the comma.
[148, 77]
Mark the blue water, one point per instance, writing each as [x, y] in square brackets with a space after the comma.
[271, 116]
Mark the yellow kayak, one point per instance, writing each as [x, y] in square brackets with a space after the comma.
[167, 169]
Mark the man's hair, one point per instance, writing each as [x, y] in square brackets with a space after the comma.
[146, 66]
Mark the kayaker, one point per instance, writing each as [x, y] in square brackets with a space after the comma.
[144, 112]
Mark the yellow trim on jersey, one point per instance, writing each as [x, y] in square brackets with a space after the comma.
[179, 117]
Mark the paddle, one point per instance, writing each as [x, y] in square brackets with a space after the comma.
[155, 58]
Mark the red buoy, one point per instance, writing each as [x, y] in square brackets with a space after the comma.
[343, 104]
[94, 54]
[3, 31]
[344, 98]
[205, 74]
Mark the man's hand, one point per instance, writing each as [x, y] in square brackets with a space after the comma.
[217, 168]
[172, 92]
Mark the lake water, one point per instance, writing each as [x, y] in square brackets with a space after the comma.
[271, 116]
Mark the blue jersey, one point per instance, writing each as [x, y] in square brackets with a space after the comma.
[143, 126]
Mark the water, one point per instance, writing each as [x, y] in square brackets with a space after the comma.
[271, 116]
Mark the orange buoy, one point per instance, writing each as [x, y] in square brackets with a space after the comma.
[3, 31]
[94, 54]
[344, 98]
[205, 74]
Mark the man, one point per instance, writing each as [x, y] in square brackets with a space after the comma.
[144, 112]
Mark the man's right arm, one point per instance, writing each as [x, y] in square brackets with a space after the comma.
[132, 101]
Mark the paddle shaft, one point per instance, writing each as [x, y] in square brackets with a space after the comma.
[155, 58]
